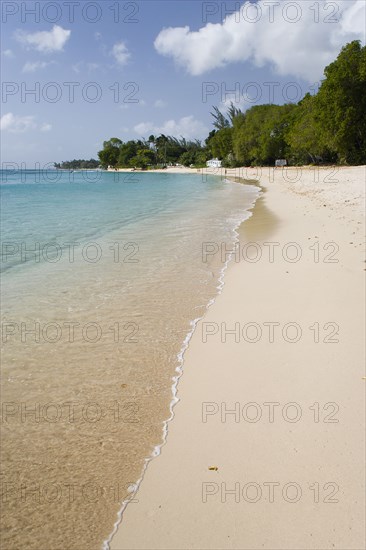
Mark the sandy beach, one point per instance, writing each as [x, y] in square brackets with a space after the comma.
[266, 449]
[168, 170]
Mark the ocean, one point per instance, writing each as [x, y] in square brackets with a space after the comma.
[103, 278]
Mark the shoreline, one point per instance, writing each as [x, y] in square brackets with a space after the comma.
[247, 213]
[134, 380]
[169, 504]
[169, 170]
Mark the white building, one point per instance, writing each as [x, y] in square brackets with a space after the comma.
[281, 162]
[213, 163]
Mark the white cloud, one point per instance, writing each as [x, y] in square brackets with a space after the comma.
[7, 53]
[144, 128]
[16, 124]
[240, 101]
[159, 104]
[121, 53]
[301, 48]
[97, 35]
[20, 124]
[32, 67]
[81, 65]
[187, 127]
[46, 127]
[353, 20]
[45, 41]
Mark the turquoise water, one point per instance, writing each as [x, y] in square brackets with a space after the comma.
[120, 260]
[61, 207]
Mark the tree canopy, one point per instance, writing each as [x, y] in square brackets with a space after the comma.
[79, 164]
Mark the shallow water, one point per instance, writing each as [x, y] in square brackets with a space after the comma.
[93, 321]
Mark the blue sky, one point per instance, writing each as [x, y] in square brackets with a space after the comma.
[170, 61]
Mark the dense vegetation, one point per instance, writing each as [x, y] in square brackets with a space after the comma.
[156, 151]
[79, 164]
[329, 127]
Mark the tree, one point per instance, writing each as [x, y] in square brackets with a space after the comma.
[221, 143]
[247, 132]
[233, 112]
[341, 104]
[273, 138]
[202, 157]
[161, 145]
[220, 121]
[187, 158]
[330, 126]
[143, 159]
[109, 155]
[126, 152]
[79, 164]
[305, 135]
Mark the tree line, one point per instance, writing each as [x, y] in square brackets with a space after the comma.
[156, 151]
[78, 164]
[327, 127]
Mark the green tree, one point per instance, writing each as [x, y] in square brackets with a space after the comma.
[161, 148]
[202, 157]
[221, 143]
[260, 135]
[143, 159]
[220, 121]
[341, 104]
[187, 158]
[273, 136]
[247, 133]
[126, 152]
[79, 164]
[305, 135]
[109, 155]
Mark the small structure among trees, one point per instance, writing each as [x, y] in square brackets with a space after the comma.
[213, 163]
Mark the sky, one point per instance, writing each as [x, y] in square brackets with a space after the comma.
[76, 73]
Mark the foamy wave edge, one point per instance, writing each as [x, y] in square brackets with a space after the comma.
[180, 356]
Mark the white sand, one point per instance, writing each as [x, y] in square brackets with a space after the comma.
[169, 170]
[170, 513]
